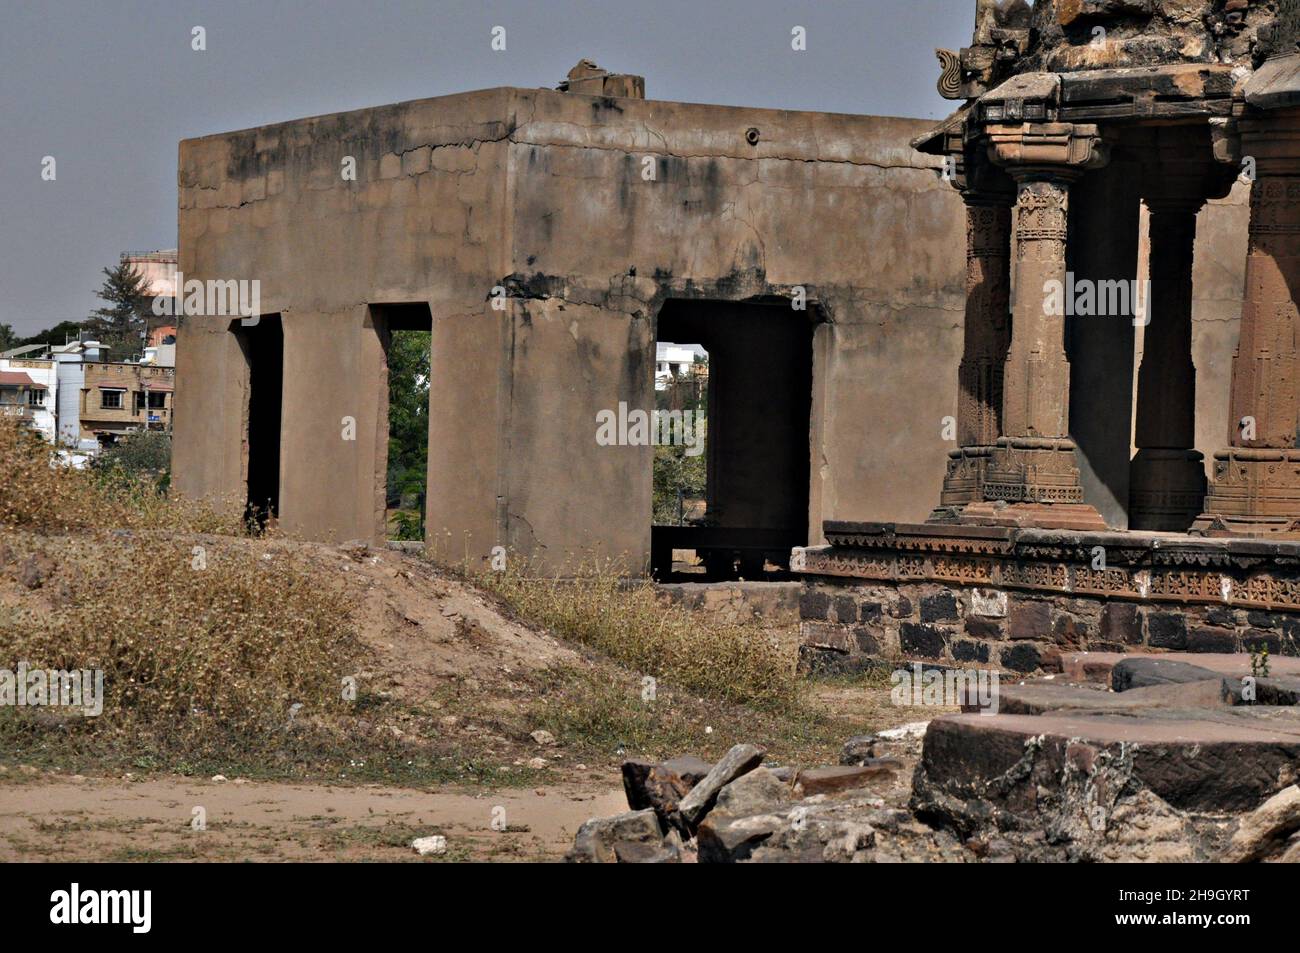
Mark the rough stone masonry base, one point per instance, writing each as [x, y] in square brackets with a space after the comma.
[1017, 599]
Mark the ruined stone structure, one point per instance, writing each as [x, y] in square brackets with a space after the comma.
[544, 196]
[548, 239]
[1075, 112]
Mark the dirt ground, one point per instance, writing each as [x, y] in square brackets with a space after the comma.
[114, 820]
[452, 672]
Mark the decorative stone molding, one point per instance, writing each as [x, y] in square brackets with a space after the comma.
[1135, 567]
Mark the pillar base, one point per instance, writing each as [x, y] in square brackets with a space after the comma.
[963, 484]
[1033, 470]
[1255, 492]
[1033, 482]
[1082, 517]
[1167, 489]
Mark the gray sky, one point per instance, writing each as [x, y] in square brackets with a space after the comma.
[108, 87]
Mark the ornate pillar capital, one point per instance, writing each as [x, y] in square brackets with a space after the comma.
[1059, 151]
[1180, 171]
[1272, 142]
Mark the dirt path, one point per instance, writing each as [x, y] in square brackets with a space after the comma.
[152, 820]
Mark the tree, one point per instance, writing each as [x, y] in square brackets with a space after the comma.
[408, 413]
[60, 334]
[138, 460]
[120, 326]
[8, 338]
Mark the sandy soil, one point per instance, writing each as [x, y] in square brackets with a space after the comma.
[46, 819]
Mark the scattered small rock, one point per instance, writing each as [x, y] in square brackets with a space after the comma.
[435, 844]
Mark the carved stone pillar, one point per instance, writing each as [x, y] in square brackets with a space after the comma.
[1255, 490]
[1167, 476]
[986, 338]
[1032, 477]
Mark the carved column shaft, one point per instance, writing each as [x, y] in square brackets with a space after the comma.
[1037, 386]
[1033, 477]
[1264, 385]
[987, 334]
[988, 319]
[1256, 485]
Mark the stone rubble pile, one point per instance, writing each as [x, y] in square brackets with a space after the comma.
[1144, 758]
[686, 810]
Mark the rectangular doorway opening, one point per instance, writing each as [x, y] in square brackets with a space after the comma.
[749, 377]
[406, 335]
[262, 345]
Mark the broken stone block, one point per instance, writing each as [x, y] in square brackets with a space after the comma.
[1265, 831]
[601, 839]
[1190, 758]
[758, 792]
[662, 786]
[741, 759]
[1145, 670]
[859, 749]
[845, 778]
[728, 840]
[1040, 698]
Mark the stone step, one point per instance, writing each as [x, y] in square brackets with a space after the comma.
[1195, 759]
[1040, 698]
[1096, 666]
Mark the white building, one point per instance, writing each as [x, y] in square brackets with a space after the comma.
[672, 360]
[29, 386]
[71, 360]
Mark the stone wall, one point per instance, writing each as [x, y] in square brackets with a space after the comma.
[1018, 599]
[845, 624]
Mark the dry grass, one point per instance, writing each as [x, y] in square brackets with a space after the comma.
[207, 641]
[35, 495]
[190, 636]
[628, 622]
[202, 643]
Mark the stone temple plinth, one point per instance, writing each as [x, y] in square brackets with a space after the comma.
[1021, 599]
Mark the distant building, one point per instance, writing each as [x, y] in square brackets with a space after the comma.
[118, 399]
[77, 398]
[28, 390]
[158, 268]
[672, 360]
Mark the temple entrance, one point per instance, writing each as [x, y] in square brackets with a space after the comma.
[757, 403]
[262, 345]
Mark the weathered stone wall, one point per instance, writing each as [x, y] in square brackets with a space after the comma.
[847, 622]
[543, 193]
